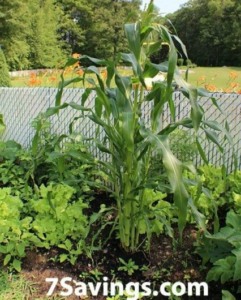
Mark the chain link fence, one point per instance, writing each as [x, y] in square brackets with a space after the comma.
[20, 106]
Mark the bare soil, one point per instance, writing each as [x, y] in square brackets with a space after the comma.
[165, 262]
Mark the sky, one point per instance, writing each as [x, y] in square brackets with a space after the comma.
[166, 6]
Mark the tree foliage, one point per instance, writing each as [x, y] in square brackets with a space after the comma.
[40, 33]
[105, 35]
[74, 16]
[4, 73]
[211, 31]
[29, 33]
[44, 41]
[96, 27]
[14, 32]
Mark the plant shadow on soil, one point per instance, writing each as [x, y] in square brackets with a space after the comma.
[163, 263]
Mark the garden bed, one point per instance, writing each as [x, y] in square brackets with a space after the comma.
[162, 264]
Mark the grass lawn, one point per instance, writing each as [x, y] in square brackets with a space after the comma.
[52, 79]
[223, 78]
[227, 79]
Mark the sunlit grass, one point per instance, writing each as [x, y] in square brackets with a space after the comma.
[52, 78]
[223, 79]
[14, 287]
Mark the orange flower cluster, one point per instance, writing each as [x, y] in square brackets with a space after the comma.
[80, 72]
[75, 67]
[103, 73]
[34, 80]
[76, 55]
[211, 87]
[233, 84]
[53, 78]
[233, 75]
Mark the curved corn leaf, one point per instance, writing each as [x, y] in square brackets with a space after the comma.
[174, 172]
[201, 151]
[62, 85]
[132, 32]
[123, 83]
[212, 136]
[127, 129]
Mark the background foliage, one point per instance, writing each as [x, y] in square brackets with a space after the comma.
[40, 34]
[211, 30]
[4, 75]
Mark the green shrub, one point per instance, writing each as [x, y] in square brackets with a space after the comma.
[188, 62]
[4, 73]
[15, 165]
[58, 216]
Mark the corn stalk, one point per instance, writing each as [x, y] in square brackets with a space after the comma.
[128, 140]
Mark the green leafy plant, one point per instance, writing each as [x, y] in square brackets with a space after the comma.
[60, 221]
[208, 191]
[14, 166]
[158, 214]
[129, 142]
[226, 295]
[73, 250]
[183, 145]
[129, 267]
[214, 192]
[15, 232]
[63, 159]
[234, 186]
[58, 214]
[223, 250]
[94, 275]
[2, 124]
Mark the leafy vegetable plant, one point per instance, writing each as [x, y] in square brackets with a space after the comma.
[223, 250]
[15, 235]
[59, 216]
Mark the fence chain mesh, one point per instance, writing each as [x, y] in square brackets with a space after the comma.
[20, 106]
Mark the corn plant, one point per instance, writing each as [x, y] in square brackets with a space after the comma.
[129, 142]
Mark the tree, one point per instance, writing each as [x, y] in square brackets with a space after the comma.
[44, 41]
[74, 21]
[105, 34]
[4, 73]
[211, 31]
[14, 32]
